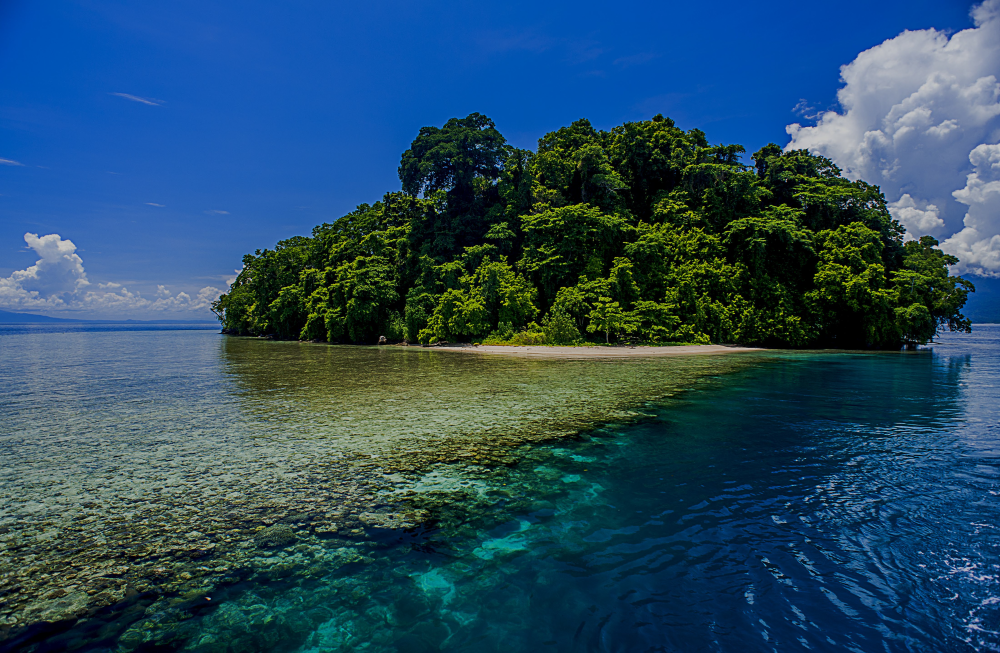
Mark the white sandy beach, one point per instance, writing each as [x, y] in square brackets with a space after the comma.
[545, 351]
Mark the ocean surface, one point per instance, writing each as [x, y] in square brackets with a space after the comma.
[170, 488]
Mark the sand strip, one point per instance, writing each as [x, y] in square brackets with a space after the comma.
[570, 353]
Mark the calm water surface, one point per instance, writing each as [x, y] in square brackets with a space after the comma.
[791, 501]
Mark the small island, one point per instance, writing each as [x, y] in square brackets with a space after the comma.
[643, 234]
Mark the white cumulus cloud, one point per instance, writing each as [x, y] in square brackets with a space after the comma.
[919, 216]
[57, 281]
[916, 112]
[57, 275]
[978, 243]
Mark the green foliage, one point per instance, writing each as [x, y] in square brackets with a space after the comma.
[852, 298]
[463, 159]
[285, 313]
[572, 167]
[532, 334]
[560, 328]
[645, 231]
[607, 317]
[459, 314]
[927, 298]
[453, 156]
[562, 244]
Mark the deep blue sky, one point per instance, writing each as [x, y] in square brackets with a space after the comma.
[285, 115]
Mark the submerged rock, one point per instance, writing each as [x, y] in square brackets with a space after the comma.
[273, 536]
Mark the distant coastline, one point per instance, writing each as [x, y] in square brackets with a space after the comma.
[8, 317]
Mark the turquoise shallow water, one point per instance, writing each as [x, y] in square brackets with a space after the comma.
[803, 501]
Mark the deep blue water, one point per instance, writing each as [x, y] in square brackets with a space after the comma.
[812, 501]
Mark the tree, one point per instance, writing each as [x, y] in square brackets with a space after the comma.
[852, 299]
[462, 160]
[927, 298]
[561, 244]
[559, 327]
[572, 167]
[450, 158]
[608, 317]
[650, 156]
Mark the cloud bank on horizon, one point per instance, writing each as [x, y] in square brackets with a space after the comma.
[921, 118]
[58, 282]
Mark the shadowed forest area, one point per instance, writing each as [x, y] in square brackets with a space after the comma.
[644, 232]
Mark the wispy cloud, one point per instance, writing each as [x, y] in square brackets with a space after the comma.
[11, 162]
[580, 51]
[506, 41]
[153, 102]
[217, 212]
[805, 110]
[635, 59]
[534, 40]
[155, 204]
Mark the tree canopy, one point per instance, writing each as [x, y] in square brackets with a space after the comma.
[645, 231]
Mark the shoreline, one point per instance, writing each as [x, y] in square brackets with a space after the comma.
[579, 353]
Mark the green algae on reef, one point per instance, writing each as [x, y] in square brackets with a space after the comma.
[274, 460]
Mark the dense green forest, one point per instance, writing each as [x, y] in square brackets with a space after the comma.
[645, 232]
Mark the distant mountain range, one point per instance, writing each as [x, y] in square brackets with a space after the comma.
[7, 317]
